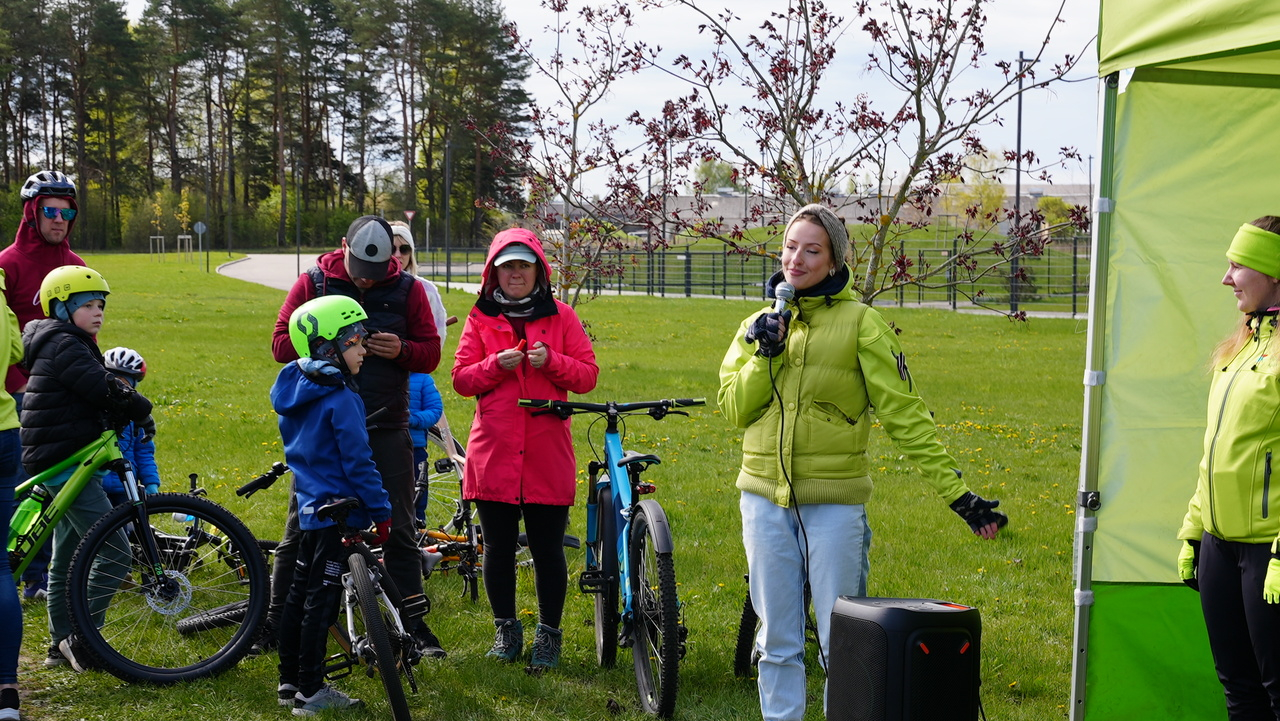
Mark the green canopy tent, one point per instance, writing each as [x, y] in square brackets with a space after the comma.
[1190, 133]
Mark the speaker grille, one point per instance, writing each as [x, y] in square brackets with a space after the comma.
[859, 651]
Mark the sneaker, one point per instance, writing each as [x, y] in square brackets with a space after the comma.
[9, 704]
[546, 649]
[55, 658]
[508, 642]
[75, 653]
[36, 590]
[326, 698]
[285, 694]
[428, 644]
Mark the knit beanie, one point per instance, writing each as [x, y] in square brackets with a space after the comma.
[1256, 248]
[832, 224]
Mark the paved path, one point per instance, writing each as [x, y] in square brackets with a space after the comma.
[279, 271]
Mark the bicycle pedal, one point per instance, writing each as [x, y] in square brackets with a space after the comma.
[415, 607]
[593, 581]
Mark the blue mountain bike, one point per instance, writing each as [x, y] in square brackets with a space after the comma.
[629, 548]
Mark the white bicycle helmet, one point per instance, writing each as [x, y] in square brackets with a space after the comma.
[48, 182]
[125, 360]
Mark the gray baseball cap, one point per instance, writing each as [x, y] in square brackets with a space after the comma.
[370, 244]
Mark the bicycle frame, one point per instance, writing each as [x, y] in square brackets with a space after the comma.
[619, 480]
[103, 453]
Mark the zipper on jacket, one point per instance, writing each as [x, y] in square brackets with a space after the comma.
[1266, 485]
[1213, 445]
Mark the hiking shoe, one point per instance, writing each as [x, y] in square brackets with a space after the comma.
[508, 642]
[75, 653]
[267, 640]
[55, 658]
[36, 590]
[546, 649]
[326, 698]
[285, 694]
[427, 644]
[9, 704]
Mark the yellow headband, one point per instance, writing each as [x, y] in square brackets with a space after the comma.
[1256, 248]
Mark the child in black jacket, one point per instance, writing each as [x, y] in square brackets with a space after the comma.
[70, 400]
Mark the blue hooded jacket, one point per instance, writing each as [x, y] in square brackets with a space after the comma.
[326, 444]
[425, 407]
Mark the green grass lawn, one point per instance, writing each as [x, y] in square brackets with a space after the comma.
[1006, 396]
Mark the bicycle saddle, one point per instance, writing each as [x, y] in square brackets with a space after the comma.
[338, 508]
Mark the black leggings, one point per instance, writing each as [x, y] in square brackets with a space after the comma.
[544, 527]
[1244, 630]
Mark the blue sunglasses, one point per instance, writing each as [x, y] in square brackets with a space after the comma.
[68, 214]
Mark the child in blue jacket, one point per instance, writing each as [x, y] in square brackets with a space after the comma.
[137, 443]
[425, 409]
[327, 447]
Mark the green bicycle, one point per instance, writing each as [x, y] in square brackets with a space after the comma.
[146, 566]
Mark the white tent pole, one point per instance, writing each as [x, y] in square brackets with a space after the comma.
[1088, 499]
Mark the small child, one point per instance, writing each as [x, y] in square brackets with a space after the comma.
[327, 447]
[425, 408]
[136, 440]
[68, 395]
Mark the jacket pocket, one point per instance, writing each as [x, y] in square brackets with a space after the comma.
[1266, 485]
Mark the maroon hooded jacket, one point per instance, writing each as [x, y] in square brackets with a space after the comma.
[25, 264]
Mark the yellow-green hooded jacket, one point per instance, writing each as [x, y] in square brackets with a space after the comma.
[1236, 498]
[10, 354]
[841, 362]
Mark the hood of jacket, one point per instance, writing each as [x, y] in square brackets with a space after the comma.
[489, 279]
[28, 237]
[295, 389]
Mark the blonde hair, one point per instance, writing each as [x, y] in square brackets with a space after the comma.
[412, 265]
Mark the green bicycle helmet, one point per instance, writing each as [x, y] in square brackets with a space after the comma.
[323, 327]
[68, 287]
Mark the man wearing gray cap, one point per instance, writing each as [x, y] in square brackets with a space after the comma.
[403, 339]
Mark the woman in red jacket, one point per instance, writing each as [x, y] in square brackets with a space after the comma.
[520, 342]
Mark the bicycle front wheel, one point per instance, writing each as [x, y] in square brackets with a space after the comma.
[657, 641]
[373, 641]
[605, 550]
[127, 611]
[745, 649]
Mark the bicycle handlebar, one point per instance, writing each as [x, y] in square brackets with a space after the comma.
[657, 409]
[264, 481]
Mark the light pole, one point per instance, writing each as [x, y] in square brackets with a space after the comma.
[1017, 194]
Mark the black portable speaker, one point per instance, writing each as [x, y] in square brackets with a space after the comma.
[903, 659]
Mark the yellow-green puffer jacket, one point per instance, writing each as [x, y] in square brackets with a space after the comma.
[841, 361]
[1236, 496]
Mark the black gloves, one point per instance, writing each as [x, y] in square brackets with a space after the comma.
[769, 330]
[124, 404]
[978, 511]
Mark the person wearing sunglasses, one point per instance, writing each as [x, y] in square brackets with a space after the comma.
[40, 245]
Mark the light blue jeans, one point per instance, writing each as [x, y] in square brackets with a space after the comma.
[839, 541]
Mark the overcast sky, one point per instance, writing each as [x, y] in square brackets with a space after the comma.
[1065, 116]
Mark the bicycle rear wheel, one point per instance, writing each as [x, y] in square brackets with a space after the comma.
[605, 550]
[745, 649]
[656, 609]
[373, 641]
[444, 481]
[127, 611]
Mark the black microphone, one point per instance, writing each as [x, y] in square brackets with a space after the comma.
[783, 294]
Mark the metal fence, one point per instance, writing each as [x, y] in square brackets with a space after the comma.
[1057, 280]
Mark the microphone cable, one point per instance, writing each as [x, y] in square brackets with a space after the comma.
[795, 507]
